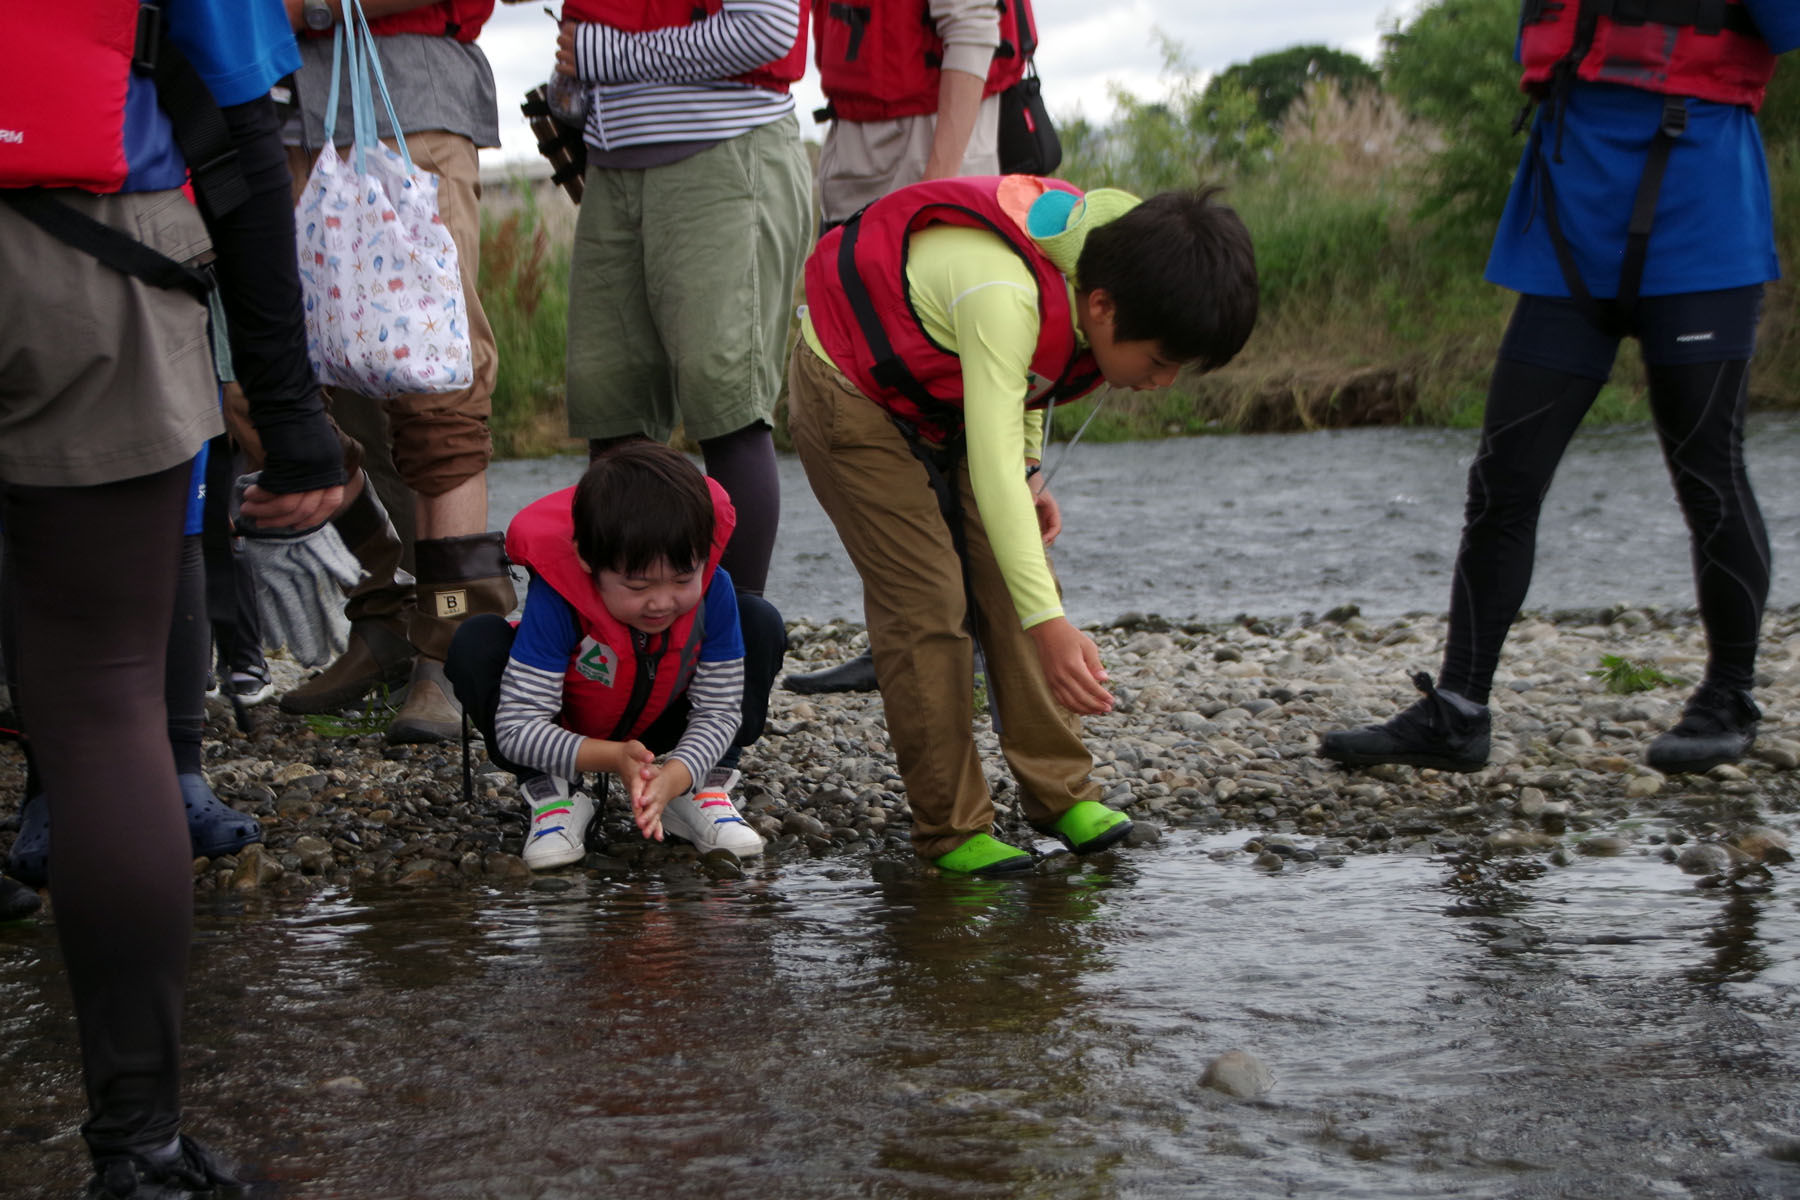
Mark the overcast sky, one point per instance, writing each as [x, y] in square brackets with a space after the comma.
[1086, 47]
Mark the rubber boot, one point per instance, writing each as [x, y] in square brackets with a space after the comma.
[379, 654]
[458, 577]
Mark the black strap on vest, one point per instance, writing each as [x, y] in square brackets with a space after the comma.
[120, 251]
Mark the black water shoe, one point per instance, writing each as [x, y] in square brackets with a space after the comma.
[857, 675]
[1717, 726]
[1434, 732]
[191, 1173]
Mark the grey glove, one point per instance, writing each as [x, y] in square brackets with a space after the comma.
[301, 579]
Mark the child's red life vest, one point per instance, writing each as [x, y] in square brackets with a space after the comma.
[65, 71]
[857, 300]
[1670, 47]
[619, 679]
[880, 60]
[641, 16]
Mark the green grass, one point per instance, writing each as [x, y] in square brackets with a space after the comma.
[1625, 676]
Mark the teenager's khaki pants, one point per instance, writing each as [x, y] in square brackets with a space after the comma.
[880, 498]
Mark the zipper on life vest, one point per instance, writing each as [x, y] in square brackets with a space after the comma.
[647, 661]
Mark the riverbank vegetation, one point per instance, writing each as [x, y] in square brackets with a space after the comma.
[1371, 190]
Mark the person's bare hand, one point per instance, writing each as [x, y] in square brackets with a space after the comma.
[1072, 667]
[291, 510]
[565, 49]
[629, 762]
[1049, 514]
[661, 785]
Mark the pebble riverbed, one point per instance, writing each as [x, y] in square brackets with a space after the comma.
[1215, 730]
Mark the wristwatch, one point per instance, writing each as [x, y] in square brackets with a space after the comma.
[318, 15]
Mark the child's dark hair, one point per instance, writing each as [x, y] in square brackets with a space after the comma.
[1181, 271]
[641, 503]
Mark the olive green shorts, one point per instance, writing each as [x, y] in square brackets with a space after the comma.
[682, 286]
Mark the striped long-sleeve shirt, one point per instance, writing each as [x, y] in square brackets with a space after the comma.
[675, 84]
[528, 724]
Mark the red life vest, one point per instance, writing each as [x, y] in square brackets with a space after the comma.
[62, 94]
[880, 59]
[641, 16]
[459, 19]
[619, 679]
[857, 300]
[1667, 46]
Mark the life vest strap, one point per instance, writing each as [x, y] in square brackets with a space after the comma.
[117, 250]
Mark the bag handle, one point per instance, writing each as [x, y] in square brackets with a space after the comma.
[353, 43]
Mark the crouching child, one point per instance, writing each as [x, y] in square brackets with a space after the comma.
[633, 644]
[940, 321]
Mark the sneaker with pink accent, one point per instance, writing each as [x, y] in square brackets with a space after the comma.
[707, 817]
[559, 821]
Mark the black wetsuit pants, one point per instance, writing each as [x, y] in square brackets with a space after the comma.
[1552, 364]
[95, 594]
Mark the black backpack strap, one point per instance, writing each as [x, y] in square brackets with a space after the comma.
[119, 251]
[1616, 318]
[199, 126]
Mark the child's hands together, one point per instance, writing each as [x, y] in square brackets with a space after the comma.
[652, 789]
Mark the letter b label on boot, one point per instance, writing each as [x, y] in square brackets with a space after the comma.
[451, 605]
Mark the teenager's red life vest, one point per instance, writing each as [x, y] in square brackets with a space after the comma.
[880, 59]
[619, 679]
[857, 300]
[1664, 52]
[641, 16]
[65, 70]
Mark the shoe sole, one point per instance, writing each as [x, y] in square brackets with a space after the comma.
[302, 704]
[1105, 840]
[552, 862]
[1457, 766]
[252, 699]
[1698, 766]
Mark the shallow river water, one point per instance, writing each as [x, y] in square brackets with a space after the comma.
[1603, 1029]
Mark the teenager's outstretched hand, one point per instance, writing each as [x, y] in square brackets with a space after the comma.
[1049, 514]
[1072, 667]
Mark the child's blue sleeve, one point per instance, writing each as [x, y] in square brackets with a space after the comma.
[548, 631]
[724, 636]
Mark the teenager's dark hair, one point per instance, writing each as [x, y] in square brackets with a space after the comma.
[1181, 271]
[640, 503]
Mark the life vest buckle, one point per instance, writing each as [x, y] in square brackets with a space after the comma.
[149, 38]
[1674, 117]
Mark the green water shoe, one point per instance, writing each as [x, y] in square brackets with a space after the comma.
[984, 854]
[1089, 827]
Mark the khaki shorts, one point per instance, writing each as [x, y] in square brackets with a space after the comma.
[682, 285]
[103, 377]
[862, 161]
[441, 440]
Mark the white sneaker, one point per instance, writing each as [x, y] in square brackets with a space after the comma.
[559, 818]
[708, 818]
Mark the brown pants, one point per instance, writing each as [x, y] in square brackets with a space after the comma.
[880, 498]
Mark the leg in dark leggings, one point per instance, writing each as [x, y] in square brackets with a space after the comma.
[1699, 410]
[477, 659]
[96, 588]
[190, 648]
[744, 464]
[1532, 412]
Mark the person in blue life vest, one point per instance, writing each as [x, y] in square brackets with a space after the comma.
[940, 321]
[1641, 209]
[107, 393]
[633, 643]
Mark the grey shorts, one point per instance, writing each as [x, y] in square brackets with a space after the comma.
[102, 377]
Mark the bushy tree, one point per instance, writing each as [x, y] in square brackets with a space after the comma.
[1277, 81]
[1453, 68]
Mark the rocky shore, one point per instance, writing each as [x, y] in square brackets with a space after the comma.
[1214, 731]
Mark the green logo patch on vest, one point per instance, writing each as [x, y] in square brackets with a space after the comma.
[598, 662]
